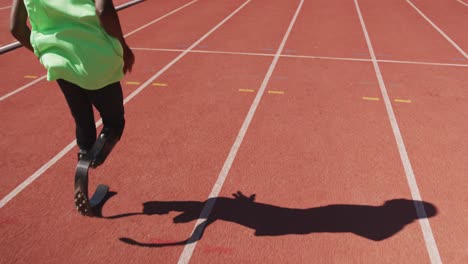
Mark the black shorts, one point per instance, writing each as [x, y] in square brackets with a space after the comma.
[107, 100]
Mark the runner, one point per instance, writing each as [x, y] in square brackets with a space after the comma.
[81, 45]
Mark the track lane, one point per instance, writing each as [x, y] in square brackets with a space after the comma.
[328, 28]
[418, 83]
[250, 32]
[421, 211]
[433, 127]
[18, 67]
[228, 248]
[179, 33]
[398, 32]
[135, 16]
[452, 25]
[317, 144]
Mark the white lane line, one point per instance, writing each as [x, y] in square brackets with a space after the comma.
[201, 222]
[463, 3]
[424, 63]
[421, 212]
[439, 30]
[22, 88]
[36, 174]
[160, 18]
[128, 4]
[210, 52]
[303, 57]
[185, 52]
[126, 35]
[70, 146]
[379, 60]
[5, 7]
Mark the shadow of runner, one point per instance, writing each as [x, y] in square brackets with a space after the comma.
[372, 222]
[97, 211]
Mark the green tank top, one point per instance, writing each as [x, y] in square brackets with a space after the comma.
[71, 44]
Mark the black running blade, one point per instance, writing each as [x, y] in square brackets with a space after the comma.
[99, 195]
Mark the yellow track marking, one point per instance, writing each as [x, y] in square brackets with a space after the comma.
[275, 92]
[402, 101]
[133, 83]
[246, 90]
[370, 98]
[160, 84]
[30, 76]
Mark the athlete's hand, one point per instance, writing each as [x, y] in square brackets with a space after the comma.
[239, 196]
[129, 59]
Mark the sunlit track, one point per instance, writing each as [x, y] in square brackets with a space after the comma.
[455, 45]
[22, 88]
[463, 3]
[126, 35]
[307, 57]
[70, 146]
[206, 211]
[426, 229]
[160, 18]
[322, 131]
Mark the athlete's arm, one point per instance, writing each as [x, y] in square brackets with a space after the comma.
[18, 26]
[109, 19]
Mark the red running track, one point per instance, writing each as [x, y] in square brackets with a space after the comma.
[319, 153]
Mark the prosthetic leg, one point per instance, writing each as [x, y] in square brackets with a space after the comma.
[98, 154]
